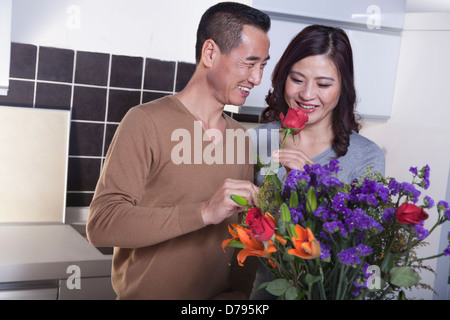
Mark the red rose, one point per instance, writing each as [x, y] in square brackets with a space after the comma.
[295, 120]
[262, 227]
[410, 214]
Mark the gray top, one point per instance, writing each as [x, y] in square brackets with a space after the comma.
[361, 154]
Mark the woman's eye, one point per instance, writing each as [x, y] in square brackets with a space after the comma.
[323, 85]
[295, 80]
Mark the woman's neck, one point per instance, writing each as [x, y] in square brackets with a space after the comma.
[313, 140]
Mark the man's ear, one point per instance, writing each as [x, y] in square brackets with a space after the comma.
[209, 51]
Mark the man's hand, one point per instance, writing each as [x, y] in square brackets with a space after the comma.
[220, 206]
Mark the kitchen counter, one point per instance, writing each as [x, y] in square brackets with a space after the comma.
[33, 252]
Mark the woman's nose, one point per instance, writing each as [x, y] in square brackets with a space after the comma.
[308, 92]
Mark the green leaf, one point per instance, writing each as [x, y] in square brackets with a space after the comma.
[236, 244]
[311, 204]
[285, 213]
[403, 276]
[293, 200]
[286, 256]
[291, 294]
[310, 279]
[388, 262]
[278, 287]
[281, 226]
[263, 285]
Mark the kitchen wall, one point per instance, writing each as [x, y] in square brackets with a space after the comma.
[63, 56]
[98, 88]
[98, 58]
[417, 132]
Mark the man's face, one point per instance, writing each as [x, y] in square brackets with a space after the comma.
[235, 74]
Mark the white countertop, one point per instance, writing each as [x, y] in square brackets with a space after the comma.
[31, 252]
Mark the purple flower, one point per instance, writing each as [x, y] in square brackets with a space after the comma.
[422, 233]
[425, 175]
[410, 190]
[389, 215]
[363, 250]
[429, 203]
[447, 251]
[324, 251]
[443, 205]
[394, 187]
[297, 213]
[351, 255]
[335, 226]
[413, 170]
[339, 202]
[361, 221]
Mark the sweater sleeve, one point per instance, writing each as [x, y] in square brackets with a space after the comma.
[115, 218]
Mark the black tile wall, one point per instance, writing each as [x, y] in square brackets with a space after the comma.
[55, 64]
[126, 72]
[184, 74]
[159, 75]
[23, 61]
[98, 88]
[120, 101]
[92, 68]
[53, 96]
[89, 103]
[20, 94]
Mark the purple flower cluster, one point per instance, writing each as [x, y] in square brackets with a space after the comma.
[351, 215]
[339, 210]
[361, 282]
[444, 206]
[352, 255]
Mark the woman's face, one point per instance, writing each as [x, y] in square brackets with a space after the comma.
[314, 87]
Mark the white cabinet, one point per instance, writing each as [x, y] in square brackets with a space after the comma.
[374, 28]
[5, 44]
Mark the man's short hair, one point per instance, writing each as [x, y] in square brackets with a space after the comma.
[224, 22]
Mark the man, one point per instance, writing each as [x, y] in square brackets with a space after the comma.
[165, 218]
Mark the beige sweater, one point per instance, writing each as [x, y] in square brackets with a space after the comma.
[148, 207]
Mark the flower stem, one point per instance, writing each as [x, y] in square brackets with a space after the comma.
[341, 280]
[427, 258]
[286, 135]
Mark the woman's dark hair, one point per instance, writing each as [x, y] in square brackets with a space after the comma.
[224, 22]
[319, 40]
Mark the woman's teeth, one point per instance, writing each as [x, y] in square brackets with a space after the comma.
[244, 88]
[307, 106]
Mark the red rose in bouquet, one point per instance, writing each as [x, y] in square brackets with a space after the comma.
[410, 214]
[261, 226]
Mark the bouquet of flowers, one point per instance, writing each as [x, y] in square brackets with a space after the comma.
[323, 239]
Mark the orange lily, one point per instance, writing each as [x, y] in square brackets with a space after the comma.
[306, 246]
[232, 231]
[253, 247]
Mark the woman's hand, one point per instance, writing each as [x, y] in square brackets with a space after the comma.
[291, 158]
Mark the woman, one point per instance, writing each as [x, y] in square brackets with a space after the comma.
[315, 76]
